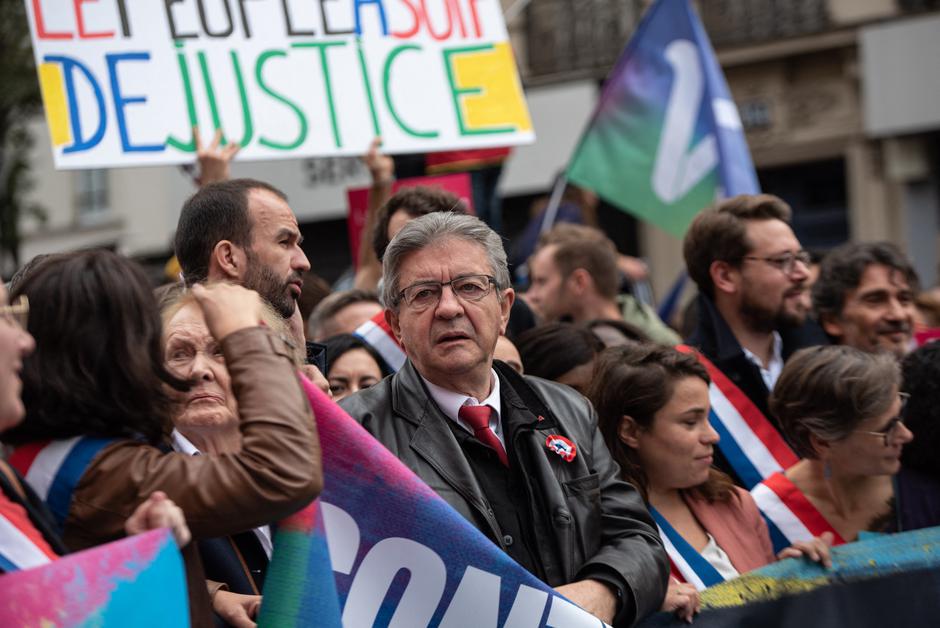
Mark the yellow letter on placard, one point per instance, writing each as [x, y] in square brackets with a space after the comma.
[486, 90]
[52, 84]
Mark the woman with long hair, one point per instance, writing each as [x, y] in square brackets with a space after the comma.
[99, 400]
[652, 406]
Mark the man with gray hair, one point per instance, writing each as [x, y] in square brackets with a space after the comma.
[519, 457]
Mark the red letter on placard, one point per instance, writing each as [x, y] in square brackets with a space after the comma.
[81, 23]
[408, 34]
[41, 32]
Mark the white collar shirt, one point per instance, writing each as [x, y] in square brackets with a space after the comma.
[450, 403]
[771, 372]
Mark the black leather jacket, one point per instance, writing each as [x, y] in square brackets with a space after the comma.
[590, 523]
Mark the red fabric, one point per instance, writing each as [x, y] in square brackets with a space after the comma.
[16, 515]
[738, 528]
[478, 417]
[474, 159]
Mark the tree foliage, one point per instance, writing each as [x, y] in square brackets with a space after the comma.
[20, 102]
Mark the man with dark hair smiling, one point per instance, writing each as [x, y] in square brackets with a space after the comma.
[865, 297]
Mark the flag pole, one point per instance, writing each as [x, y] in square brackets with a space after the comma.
[551, 210]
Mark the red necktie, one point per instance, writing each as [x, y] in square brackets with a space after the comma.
[478, 418]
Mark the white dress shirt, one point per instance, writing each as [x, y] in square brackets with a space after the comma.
[450, 403]
[774, 367]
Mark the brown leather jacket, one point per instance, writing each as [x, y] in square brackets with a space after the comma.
[277, 472]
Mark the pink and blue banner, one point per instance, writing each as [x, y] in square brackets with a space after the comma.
[138, 581]
[400, 555]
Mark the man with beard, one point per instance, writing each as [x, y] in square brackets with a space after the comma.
[574, 276]
[751, 272]
[864, 297]
[243, 231]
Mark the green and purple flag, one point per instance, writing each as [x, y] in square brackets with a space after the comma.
[665, 139]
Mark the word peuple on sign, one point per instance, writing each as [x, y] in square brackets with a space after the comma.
[124, 83]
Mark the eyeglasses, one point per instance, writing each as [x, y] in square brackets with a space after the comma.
[892, 429]
[425, 294]
[16, 314]
[785, 261]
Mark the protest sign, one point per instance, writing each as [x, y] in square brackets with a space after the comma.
[123, 83]
[400, 555]
[137, 581]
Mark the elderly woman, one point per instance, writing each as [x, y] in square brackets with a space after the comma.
[28, 536]
[840, 409]
[652, 406]
[98, 410]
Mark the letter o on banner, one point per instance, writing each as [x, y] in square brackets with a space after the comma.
[428, 576]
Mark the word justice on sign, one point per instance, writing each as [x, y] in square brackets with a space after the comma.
[124, 82]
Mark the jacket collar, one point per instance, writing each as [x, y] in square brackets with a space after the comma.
[712, 334]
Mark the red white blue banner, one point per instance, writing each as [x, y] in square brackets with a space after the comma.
[751, 444]
[790, 516]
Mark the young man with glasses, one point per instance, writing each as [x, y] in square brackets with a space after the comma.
[518, 457]
[751, 273]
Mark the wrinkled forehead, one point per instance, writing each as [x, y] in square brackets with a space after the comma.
[188, 322]
[446, 257]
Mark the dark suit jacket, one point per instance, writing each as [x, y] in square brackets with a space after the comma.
[587, 521]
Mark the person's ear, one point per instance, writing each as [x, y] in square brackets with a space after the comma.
[505, 305]
[580, 280]
[391, 318]
[831, 324]
[629, 432]
[725, 276]
[821, 448]
[227, 261]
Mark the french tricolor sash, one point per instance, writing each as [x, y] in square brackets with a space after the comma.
[751, 444]
[21, 544]
[379, 336]
[789, 514]
[690, 565]
[53, 468]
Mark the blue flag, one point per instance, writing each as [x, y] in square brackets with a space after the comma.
[665, 139]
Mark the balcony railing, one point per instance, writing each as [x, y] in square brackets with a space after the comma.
[584, 37]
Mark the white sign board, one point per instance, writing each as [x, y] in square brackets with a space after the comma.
[124, 82]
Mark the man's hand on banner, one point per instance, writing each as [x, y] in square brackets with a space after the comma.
[818, 550]
[238, 611]
[593, 596]
[682, 599]
[214, 160]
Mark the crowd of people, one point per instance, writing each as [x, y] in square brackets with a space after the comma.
[622, 462]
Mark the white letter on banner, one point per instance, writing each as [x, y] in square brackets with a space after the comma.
[428, 575]
[564, 614]
[342, 537]
[676, 171]
[475, 603]
[526, 611]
